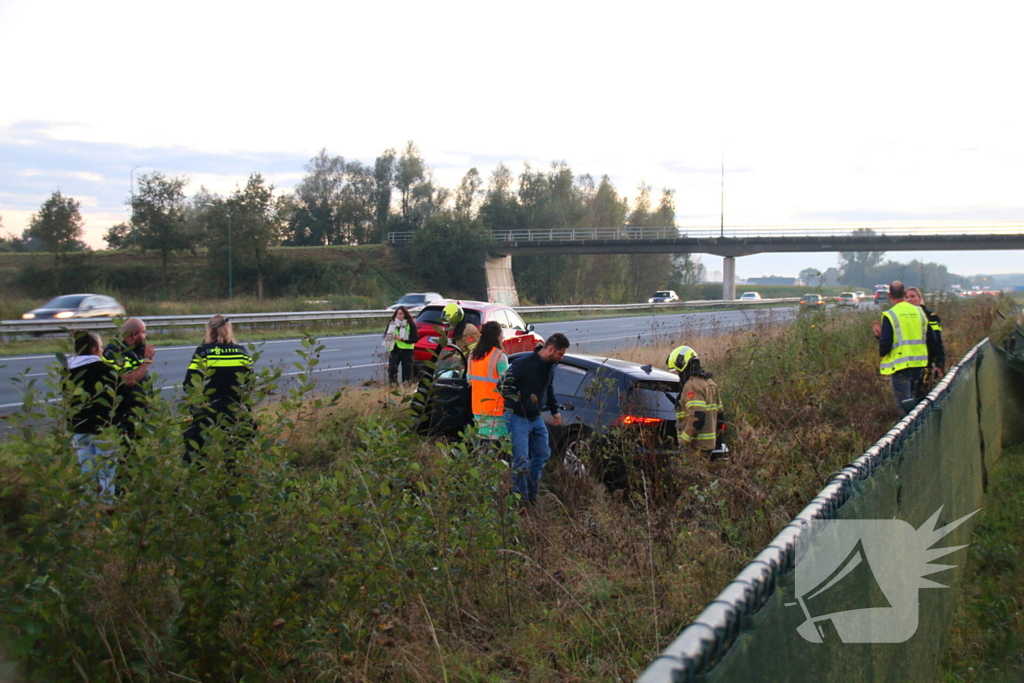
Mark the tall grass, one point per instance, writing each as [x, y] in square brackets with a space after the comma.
[344, 547]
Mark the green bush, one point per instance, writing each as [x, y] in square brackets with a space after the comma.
[246, 567]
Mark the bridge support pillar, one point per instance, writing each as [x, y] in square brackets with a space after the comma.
[501, 286]
[729, 278]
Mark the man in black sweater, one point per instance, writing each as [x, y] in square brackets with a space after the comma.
[526, 387]
[92, 401]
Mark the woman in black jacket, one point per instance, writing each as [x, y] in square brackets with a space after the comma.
[92, 402]
[219, 369]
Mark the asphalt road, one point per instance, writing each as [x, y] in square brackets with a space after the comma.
[356, 359]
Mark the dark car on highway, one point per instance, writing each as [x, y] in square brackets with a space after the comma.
[77, 306]
[516, 335]
[812, 301]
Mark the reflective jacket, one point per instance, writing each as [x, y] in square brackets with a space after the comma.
[909, 339]
[483, 383]
[698, 400]
[221, 369]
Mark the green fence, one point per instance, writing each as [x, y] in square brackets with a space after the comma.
[935, 459]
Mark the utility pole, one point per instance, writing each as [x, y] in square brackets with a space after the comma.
[131, 178]
[722, 233]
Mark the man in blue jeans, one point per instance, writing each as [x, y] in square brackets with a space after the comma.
[526, 386]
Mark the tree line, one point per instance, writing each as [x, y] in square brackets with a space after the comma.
[348, 202]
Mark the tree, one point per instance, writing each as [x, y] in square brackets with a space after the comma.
[856, 264]
[468, 193]
[317, 202]
[410, 172]
[812, 276]
[383, 179]
[58, 226]
[500, 209]
[256, 225]
[449, 252]
[158, 217]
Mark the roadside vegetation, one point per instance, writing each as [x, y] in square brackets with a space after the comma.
[986, 639]
[342, 546]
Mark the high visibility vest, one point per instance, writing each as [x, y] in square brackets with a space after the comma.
[909, 345]
[483, 383]
[405, 344]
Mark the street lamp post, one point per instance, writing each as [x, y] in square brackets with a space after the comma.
[230, 277]
[131, 180]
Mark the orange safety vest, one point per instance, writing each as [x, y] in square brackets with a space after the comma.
[483, 384]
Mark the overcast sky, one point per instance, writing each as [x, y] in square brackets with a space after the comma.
[864, 112]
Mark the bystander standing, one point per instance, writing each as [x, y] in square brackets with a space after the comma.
[92, 405]
[526, 387]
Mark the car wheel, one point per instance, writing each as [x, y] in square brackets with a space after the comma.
[575, 454]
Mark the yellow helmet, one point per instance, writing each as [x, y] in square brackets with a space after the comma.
[680, 358]
[453, 313]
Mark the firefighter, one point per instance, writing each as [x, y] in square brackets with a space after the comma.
[461, 332]
[699, 409]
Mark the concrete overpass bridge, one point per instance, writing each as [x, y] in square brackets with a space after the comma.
[732, 243]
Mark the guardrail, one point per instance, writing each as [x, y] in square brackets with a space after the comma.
[170, 321]
[705, 232]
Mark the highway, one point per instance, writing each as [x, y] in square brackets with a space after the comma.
[357, 359]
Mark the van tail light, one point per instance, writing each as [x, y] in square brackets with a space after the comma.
[638, 420]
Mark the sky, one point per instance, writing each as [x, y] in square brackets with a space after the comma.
[820, 113]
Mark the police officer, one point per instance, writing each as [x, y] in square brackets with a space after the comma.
[700, 405]
[219, 370]
[936, 350]
[904, 338]
[131, 356]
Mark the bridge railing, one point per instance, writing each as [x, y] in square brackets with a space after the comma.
[739, 232]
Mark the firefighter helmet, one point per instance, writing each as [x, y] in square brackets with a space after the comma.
[680, 358]
[453, 313]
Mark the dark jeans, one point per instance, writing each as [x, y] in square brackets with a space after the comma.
[905, 384]
[396, 357]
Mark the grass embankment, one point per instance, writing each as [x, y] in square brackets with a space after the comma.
[343, 547]
[986, 639]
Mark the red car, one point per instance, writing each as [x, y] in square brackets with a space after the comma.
[516, 335]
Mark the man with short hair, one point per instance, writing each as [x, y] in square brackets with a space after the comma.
[131, 356]
[904, 338]
[526, 386]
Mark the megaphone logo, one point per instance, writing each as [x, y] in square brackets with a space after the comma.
[857, 580]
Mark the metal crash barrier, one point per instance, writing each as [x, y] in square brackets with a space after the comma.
[934, 459]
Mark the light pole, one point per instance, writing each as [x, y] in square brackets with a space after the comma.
[131, 179]
[230, 278]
